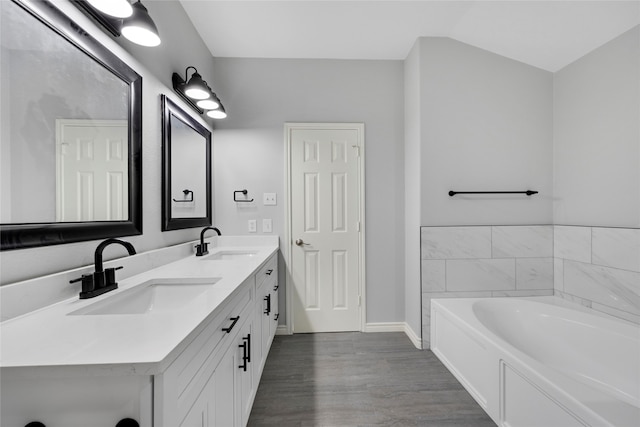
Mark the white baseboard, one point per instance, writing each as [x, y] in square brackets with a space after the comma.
[395, 327]
[384, 327]
[282, 330]
[415, 338]
[376, 327]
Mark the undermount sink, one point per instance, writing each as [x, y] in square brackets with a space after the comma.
[230, 255]
[151, 296]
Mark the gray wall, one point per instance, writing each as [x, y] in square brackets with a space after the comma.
[413, 99]
[482, 122]
[260, 96]
[486, 125]
[597, 136]
[155, 66]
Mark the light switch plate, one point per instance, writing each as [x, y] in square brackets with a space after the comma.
[252, 226]
[267, 225]
[269, 199]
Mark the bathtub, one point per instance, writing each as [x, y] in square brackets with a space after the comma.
[540, 362]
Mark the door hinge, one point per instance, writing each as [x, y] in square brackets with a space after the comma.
[357, 147]
[359, 300]
[358, 226]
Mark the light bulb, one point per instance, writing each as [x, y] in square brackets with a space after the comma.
[115, 8]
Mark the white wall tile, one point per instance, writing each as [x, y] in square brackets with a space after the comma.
[572, 243]
[534, 273]
[522, 241]
[433, 275]
[616, 313]
[615, 288]
[456, 242]
[616, 247]
[523, 294]
[481, 275]
[558, 274]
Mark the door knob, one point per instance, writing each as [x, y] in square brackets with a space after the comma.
[301, 242]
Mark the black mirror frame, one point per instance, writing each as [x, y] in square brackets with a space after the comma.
[170, 108]
[31, 235]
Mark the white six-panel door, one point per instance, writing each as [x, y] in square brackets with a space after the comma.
[326, 226]
[91, 170]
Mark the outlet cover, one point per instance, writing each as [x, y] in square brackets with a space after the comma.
[267, 225]
[269, 199]
[252, 226]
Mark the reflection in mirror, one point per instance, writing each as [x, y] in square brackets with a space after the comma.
[186, 170]
[70, 135]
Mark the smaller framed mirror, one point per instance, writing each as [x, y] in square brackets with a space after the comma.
[186, 169]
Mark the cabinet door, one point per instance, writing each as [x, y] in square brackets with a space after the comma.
[265, 323]
[245, 381]
[225, 390]
[275, 312]
[198, 415]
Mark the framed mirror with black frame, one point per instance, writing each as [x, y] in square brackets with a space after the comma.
[71, 132]
[186, 169]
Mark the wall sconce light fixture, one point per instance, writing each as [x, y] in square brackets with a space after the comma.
[140, 28]
[119, 17]
[197, 93]
[115, 8]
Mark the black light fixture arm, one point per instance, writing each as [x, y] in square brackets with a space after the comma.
[186, 72]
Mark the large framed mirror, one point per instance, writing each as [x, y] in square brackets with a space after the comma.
[186, 171]
[71, 132]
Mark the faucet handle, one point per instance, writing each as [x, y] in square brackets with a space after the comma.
[202, 249]
[110, 275]
[87, 282]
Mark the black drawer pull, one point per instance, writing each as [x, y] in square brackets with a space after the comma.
[235, 320]
[267, 311]
[246, 352]
[269, 272]
[243, 346]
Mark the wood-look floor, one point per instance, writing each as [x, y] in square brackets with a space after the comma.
[357, 379]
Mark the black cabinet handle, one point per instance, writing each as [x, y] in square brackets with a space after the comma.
[235, 320]
[269, 272]
[243, 346]
[267, 311]
[246, 352]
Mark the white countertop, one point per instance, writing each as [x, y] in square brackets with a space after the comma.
[143, 344]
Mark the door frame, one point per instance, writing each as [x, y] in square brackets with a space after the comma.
[359, 127]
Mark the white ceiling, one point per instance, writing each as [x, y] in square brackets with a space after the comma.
[547, 34]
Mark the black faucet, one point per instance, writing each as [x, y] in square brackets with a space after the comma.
[202, 249]
[102, 280]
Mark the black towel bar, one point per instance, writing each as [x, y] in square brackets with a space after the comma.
[527, 192]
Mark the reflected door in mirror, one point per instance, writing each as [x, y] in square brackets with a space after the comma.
[91, 170]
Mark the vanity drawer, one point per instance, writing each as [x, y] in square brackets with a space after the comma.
[268, 271]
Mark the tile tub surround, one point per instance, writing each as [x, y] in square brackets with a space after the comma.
[484, 261]
[599, 267]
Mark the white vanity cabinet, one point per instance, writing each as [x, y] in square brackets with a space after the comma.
[207, 377]
[214, 380]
